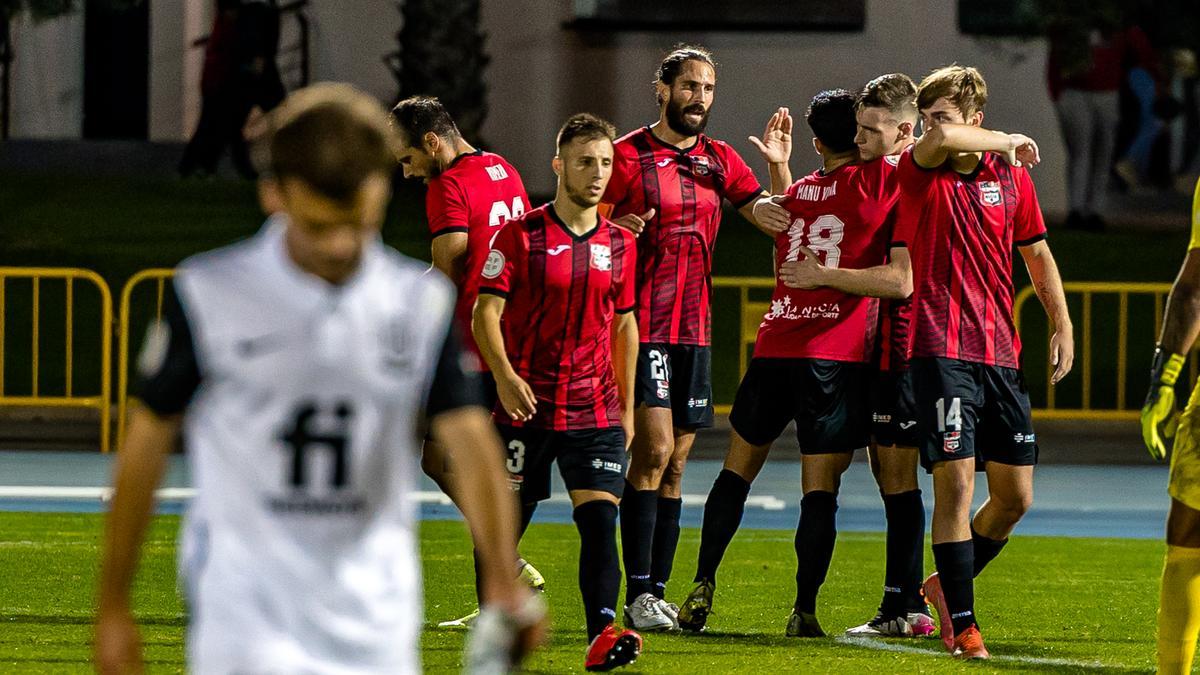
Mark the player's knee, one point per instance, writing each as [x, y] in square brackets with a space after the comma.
[896, 479]
[672, 479]
[655, 455]
[1014, 507]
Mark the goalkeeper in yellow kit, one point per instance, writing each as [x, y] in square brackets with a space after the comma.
[1179, 603]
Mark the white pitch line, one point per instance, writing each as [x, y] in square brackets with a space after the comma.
[871, 643]
[83, 493]
[176, 494]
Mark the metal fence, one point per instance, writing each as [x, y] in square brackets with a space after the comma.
[67, 397]
[1095, 401]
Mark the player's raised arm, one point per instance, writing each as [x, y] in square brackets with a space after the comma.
[891, 280]
[139, 468]
[941, 140]
[775, 146]
[1047, 283]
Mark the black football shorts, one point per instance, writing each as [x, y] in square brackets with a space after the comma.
[678, 377]
[588, 459]
[828, 400]
[972, 410]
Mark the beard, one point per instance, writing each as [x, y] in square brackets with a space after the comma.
[582, 197]
[679, 124]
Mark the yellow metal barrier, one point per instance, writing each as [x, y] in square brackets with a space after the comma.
[69, 276]
[751, 314]
[1083, 357]
[160, 276]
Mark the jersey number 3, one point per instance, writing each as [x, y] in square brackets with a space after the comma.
[823, 236]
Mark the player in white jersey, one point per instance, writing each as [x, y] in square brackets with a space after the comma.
[302, 366]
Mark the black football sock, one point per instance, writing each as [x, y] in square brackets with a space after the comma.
[722, 515]
[638, 509]
[526, 517]
[986, 549]
[599, 569]
[478, 579]
[955, 562]
[666, 540]
[905, 567]
[814, 546]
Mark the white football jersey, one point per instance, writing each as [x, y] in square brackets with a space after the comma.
[302, 428]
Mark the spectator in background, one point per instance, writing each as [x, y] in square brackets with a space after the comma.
[240, 74]
[1088, 61]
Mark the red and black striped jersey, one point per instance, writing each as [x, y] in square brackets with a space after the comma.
[475, 195]
[960, 230]
[895, 317]
[685, 188]
[841, 216]
[562, 291]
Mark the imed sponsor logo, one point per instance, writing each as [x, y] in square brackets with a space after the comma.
[602, 465]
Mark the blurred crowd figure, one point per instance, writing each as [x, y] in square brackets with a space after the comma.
[240, 77]
[1125, 100]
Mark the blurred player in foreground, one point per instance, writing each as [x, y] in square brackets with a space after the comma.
[471, 194]
[555, 322]
[1179, 604]
[301, 365]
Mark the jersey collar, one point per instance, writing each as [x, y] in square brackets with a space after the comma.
[576, 237]
[474, 153]
[683, 151]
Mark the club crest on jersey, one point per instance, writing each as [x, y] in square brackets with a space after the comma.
[700, 165]
[950, 442]
[396, 344]
[601, 257]
[494, 265]
[990, 192]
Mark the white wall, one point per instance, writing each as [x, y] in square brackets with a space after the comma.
[540, 73]
[175, 65]
[348, 45]
[47, 78]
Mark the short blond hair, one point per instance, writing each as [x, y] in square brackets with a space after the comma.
[963, 86]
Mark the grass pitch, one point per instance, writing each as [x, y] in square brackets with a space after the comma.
[1046, 605]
